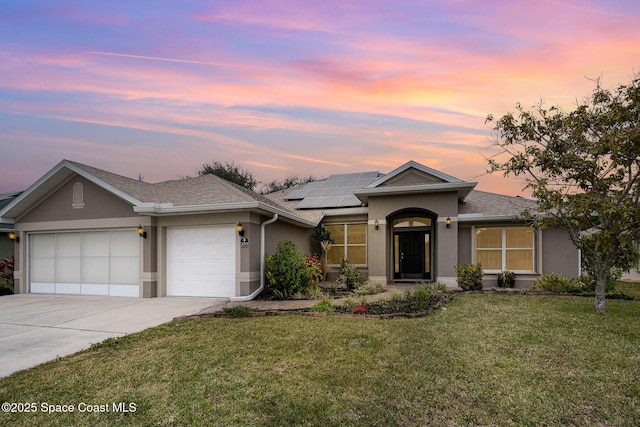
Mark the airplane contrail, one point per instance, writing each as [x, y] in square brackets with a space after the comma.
[186, 61]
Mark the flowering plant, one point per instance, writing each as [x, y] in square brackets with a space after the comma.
[314, 270]
[361, 309]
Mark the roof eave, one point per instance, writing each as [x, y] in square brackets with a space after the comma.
[488, 218]
[165, 209]
[462, 188]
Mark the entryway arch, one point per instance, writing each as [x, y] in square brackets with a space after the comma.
[412, 234]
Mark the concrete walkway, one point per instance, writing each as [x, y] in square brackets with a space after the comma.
[38, 328]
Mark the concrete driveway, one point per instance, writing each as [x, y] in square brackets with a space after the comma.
[38, 328]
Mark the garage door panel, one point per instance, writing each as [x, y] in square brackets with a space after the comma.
[201, 261]
[68, 270]
[68, 288]
[87, 262]
[124, 270]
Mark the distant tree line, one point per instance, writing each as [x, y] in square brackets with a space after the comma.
[244, 178]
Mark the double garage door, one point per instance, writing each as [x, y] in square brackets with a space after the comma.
[201, 261]
[103, 262]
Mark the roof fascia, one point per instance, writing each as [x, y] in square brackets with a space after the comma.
[488, 218]
[165, 209]
[346, 211]
[463, 189]
[413, 164]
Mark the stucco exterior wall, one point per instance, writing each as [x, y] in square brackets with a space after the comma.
[464, 244]
[281, 230]
[559, 255]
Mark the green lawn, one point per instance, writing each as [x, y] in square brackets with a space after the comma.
[483, 360]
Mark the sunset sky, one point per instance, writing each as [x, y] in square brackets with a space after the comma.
[291, 87]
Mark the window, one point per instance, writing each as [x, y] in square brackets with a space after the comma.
[505, 248]
[350, 241]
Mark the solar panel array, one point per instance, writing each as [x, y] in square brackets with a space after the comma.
[334, 192]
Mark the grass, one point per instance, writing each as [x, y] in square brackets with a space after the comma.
[483, 360]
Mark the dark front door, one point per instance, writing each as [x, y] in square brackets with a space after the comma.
[412, 252]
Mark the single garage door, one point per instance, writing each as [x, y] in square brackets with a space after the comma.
[201, 261]
[103, 262]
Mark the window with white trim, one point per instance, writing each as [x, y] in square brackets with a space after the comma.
[349, 241]
[505, 248]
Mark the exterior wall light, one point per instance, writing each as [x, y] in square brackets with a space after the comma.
[13, 236]
[448, 222]
[240, 229]
[376, 224]
[141, 232]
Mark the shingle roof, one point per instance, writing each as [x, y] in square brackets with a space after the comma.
[492, 204]
[202, 190]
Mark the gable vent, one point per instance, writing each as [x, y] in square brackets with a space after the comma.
[78, 196]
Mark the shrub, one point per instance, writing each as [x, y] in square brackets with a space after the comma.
[422, 296]
[324, 306]
[506, 279]
[314, 270]
[469, 276]
[370, 288]
[6, 276]
[553, 283]
[361, 309]
[286, 270]
[349, 276]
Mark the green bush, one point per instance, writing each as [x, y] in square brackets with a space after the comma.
[6, 276]
[349, 276]
[370, 288]
[469, 276]
[422, 295]
[325, 306]
[286, 271]
[553, 283]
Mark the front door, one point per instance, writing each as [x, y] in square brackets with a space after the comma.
[412, 255]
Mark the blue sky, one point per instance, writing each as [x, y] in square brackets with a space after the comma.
[291, 88]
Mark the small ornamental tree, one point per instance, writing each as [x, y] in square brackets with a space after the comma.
[583, 169]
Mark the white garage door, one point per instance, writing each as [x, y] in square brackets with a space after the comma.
[85, 263]
[201, 261]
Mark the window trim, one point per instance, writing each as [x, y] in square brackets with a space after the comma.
[534, 249]
[345, 244]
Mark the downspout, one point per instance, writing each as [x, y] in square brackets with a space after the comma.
[262, 264]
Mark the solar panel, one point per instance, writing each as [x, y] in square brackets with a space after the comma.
[334, 192]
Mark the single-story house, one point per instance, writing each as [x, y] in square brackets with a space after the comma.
[83, 230]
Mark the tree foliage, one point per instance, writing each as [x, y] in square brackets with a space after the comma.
[229, 171]
[291, 181]
[583, 168]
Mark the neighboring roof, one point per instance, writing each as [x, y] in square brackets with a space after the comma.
[5, 199]
[192, 195]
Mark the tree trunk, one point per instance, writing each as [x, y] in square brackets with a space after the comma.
[601, 285]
